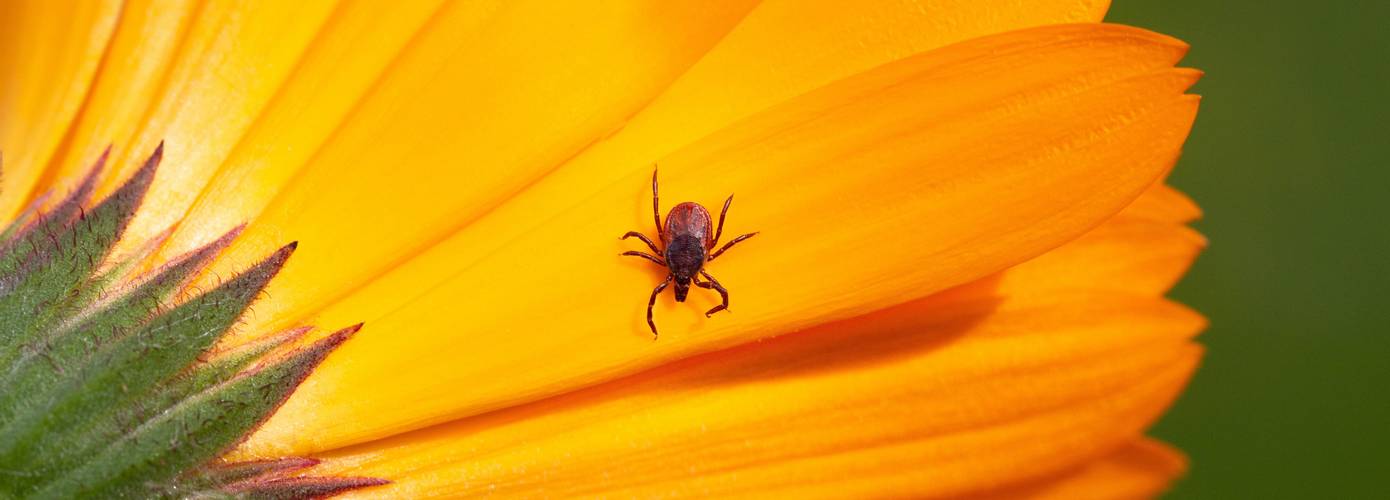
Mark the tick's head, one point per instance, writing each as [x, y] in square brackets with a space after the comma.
[682, 288]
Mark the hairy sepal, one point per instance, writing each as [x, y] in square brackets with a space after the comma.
[146, 461]
[126, 368]
[48, 271]
[111, 384]
[44, 362]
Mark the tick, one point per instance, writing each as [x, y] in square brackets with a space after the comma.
[685, 249]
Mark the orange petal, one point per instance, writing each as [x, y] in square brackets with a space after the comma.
[939, 397]
[1124, 255]
[50, 52]
[1163, 203]
[471, 112]
[1145, 250]
[917, 176]
[1141, 469]
[772, 56]
[474, 169]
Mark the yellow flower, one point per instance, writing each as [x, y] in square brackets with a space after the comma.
[957, 289]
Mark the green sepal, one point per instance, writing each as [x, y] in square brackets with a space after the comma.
[23, 220]
[111, 386]
[39, 376]
[44, 362]
[129, 366]
[219, 367]
[268, 479]
[24, 237]
[47, 273]
[300, 487]
[147, 460]
[223, 474]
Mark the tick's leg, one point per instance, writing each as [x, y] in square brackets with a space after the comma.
[652, 302]
[723, 294]
[645, 255]
[643, 237]
[656, 211]
[730, 244]
[722, 213]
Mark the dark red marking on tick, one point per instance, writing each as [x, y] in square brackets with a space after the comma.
[687, 242]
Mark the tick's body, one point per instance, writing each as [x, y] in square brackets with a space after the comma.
[687, 241]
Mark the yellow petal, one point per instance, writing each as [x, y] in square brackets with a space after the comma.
[471, 112]
[922, 174]
[1141, 469]
[729, 82]
[940, 397]
[301, 94]
[234, 59]
[132, 76]
[50, 52]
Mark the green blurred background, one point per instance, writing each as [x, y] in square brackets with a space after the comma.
[1288, 159]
